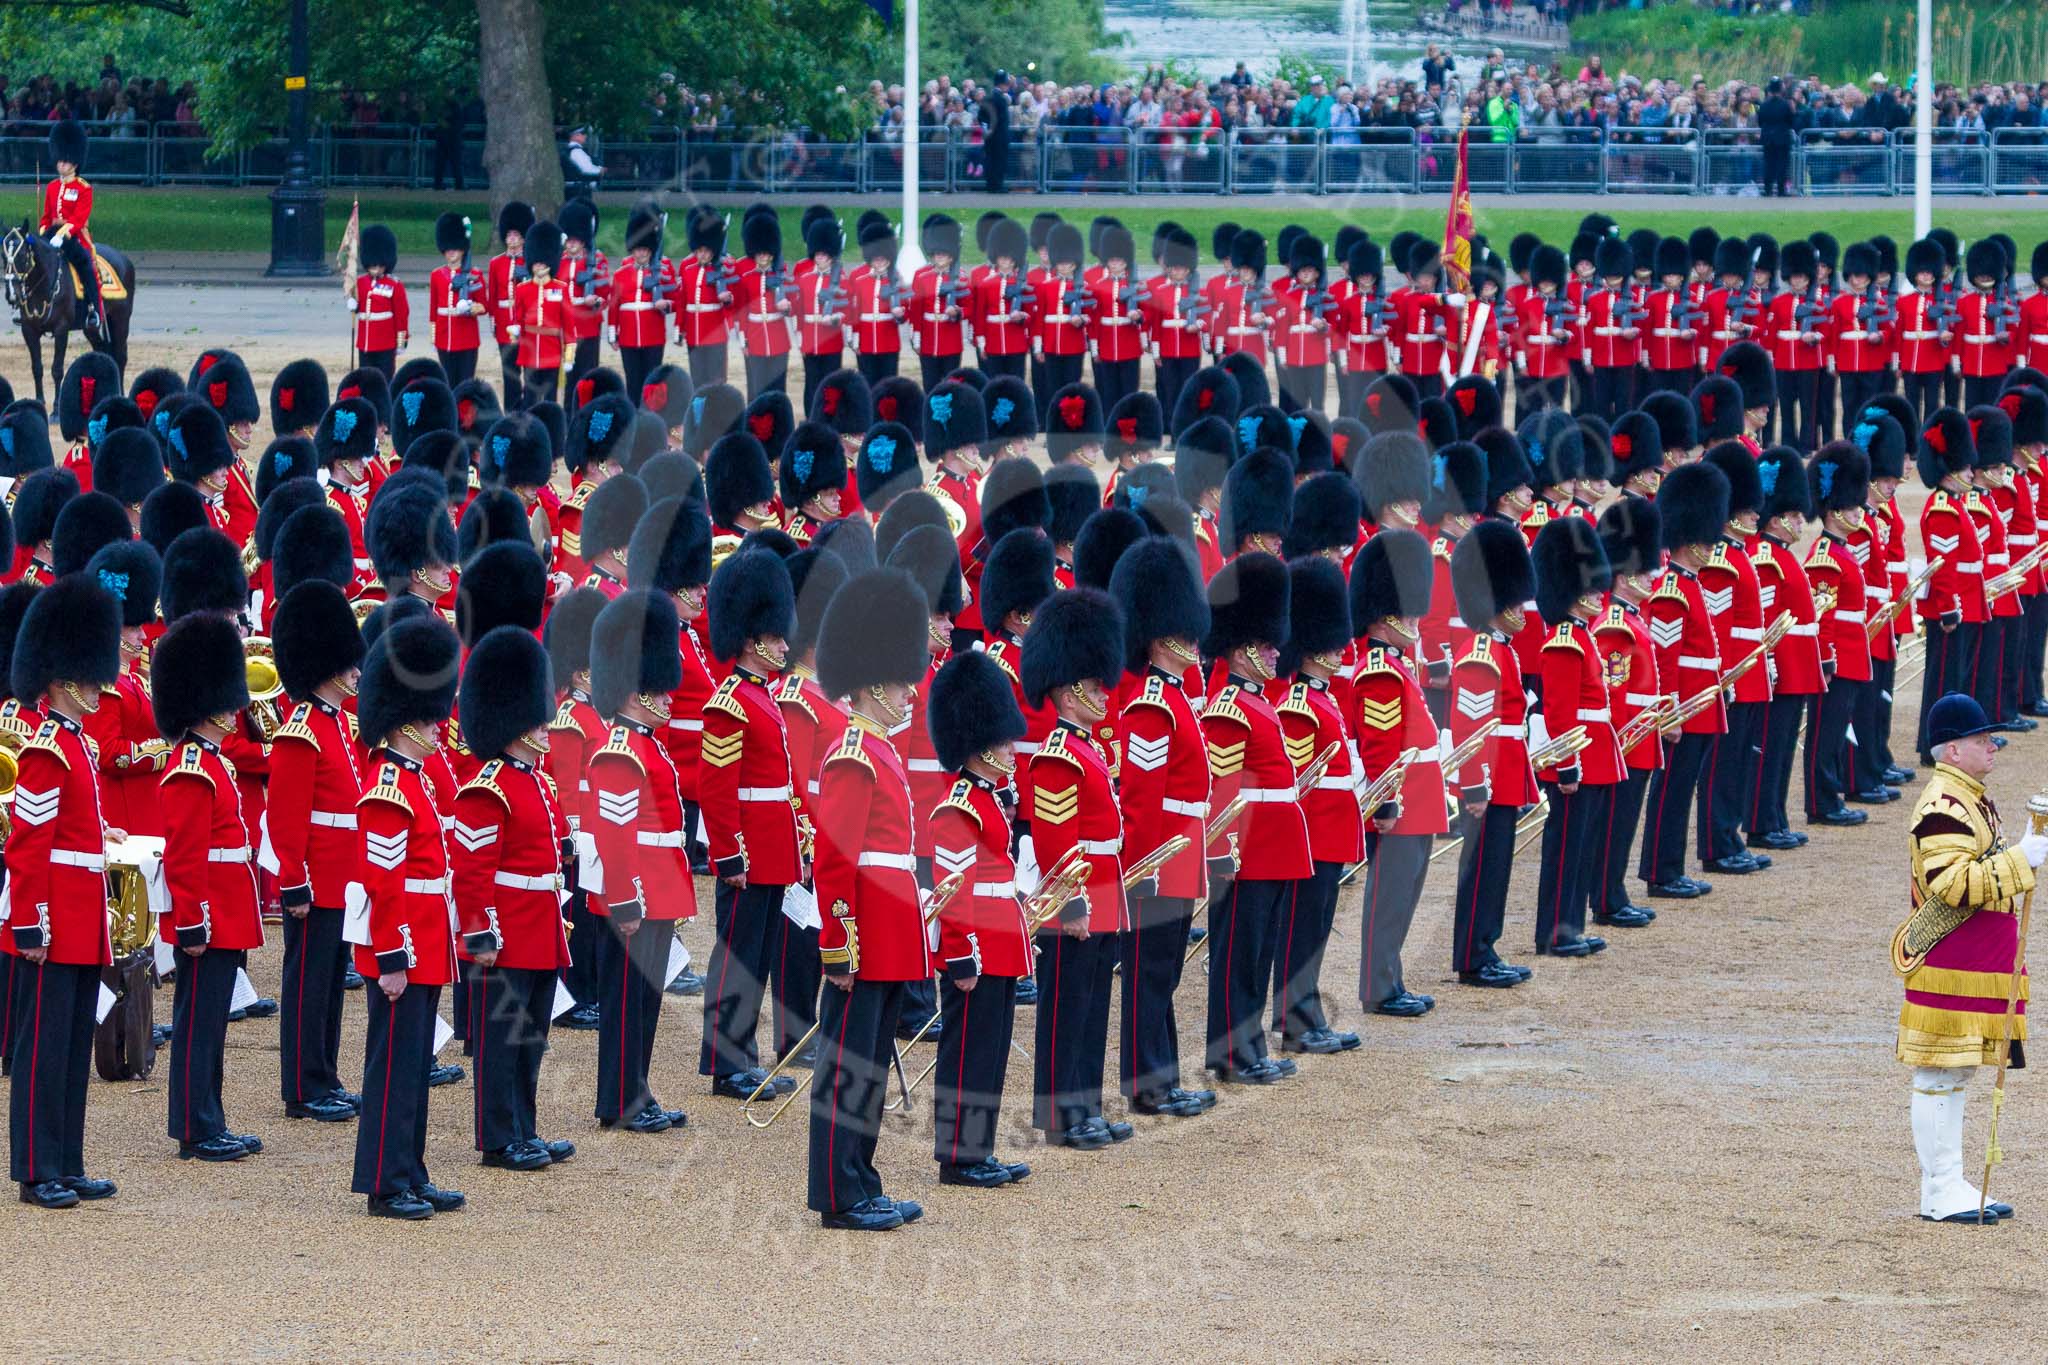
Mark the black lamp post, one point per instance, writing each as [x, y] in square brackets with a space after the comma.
[298, 235]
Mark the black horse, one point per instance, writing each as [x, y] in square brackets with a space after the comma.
[40, 292]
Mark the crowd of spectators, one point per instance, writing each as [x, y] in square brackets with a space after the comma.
[129, 105]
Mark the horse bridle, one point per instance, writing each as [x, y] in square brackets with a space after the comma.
[16, 279]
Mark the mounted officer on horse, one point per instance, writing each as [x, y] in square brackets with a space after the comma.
[54, 283]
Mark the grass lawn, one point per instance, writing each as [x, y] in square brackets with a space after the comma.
[239, 220]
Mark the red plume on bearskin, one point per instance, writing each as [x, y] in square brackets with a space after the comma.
[1466, 398]
[2009, 403]
[1073, 409]
[217, 393]
[146, 400]
[1340, 446]
[465, 413]
[206, 362]
[1205, 399]
[1623, 445]
[348, 391]
[586, 389]
[1127, 428]
[654, 397]
[1707, 405]
[1372, 403]
[86, 385]
[287, 399]
[829, 400]
[762, 425]
[1936, 437]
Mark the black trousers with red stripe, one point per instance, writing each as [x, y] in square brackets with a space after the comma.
[1302, 934]
[795, 976]
[199, 1038]
[1827, 732]
[855, 1029]
[1486, 861]
[737, 976]
[630, 972]
[1666, 808]
[1985, 675]
[510, 1009]
[974, 1053]
[309, 1006]
[1624, 812]
[1729, 783]
[1153, 953]
[585, 929]
[1242, 914]
[51, 1056]
[1071, 1046]
[7, 978]
[1773, 784]
[1561, 883]
[391, 1134]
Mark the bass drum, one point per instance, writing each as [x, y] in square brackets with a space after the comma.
[124, 1044]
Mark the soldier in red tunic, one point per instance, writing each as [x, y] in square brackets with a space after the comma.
[877, 305]
[1629, 532]
[1984, 334]
[67, 650]
[984, 943]
[67, 215]
[670, 553]
[540, 325]
[872, 650]
[1796, 661]
[207, 871]
[585, 276]
[762, 304]
[1728, 581]
[316, 776]
[640, 315]
[812, 480]
[456, 299]
[820, 304]
[503, 274]
[383, 320]
[1116, 316]
[1953, 606]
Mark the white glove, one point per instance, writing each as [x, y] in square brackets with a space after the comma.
[2034, 848]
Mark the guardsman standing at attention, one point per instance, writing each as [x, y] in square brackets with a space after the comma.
[455, 297]
[1630, 532]
[984, 944]
[382, 318]
[1072, 657]
[1795, 662]
[705, 286]
[1956, 1016]
[938, 298]
[1839, 478]
[503, 275]
[1165, 773]
[1490, 579]
[508, 855]
[670, 553]
[745, 789]
[68, 649]
[199, 695]
[576, 733]
[1311, 706]
[820, 299]
[1255, 866]
[1953, 606]
[1728, 580]
[871, 650]
[762, 306]
[316, 778]
[641, 312]
[540, 325]
[1391, 583]
[405, 951]
[586, 280]
[636, 807]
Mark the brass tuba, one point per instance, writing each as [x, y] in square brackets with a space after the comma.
[259, 671]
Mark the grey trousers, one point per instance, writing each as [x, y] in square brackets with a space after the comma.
[1397, 866]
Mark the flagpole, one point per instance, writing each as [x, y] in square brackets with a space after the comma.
[910, 254]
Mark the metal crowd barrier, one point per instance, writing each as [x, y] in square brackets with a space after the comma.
[1107, 161]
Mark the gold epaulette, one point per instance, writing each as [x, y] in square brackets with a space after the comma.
[355, 731]
[297, 728]
[486, 780]
[1377, 660]
[191, 763]
[849, 749]
[1566, 637]
[13, 724]
[1481, 653]
[724, 700]
[1818, 557]
[45, 740]
[387, 789]
[581, 495]
[1153, 695]
[1616, 619]
[620, 741]
[791, 693]
[1668, 589]
[800, 529]
[1055, 746]
[1297, 702]
[1442, 547]
[1000, 652]
[1538, 515]
[565, 717]
[961, 798]
[1223, 706]
[1719, 558]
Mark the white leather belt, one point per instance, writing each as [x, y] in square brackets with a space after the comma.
[1336, 784]
[703, 307]
[997, 890]
[1969, 566]
[228, 855]
[1429, 755]
[376, 317]
[1595, 713]
[1127, 321]
[2022, 540]
[651, 839]
[639, 307]
[685, 724]
[1746, 632]
[901, 862]
[1275, 795]
[1918, 336]
[878, 317]
[937, 317]
[1698, 661]
[1198, 810]
[1511, 732]
[1998, 561]
[1101, 848]
[91, 862]
[924, 765]
[520, 883]
[460, 312]
[1608, 331]
[1665, 331]
[1848, 615]
[1641, 698]
[1418, 336]
[2039, 338]
[764, 793]
[1246, 331]
[334, 819]
[1789, 334]
[425, 886]
[1810, 628]
[1896, 565]
[822, 319]
[1978, 340]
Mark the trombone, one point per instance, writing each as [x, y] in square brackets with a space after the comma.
[944, 893]
[1227, 817]
[1147, 866]
[259, 672]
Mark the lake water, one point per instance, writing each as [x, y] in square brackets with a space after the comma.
[1213, 35]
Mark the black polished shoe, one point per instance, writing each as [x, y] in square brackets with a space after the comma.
[351, 980]
[688, 982]
[1569, 947]
[1163, 1104]
[740, 1085]
[1027, 991]
[1628, 917]
[86, 1187]
[1896, 776]
[520, 1156]
[1684, 889]
[49, 1194]
[985, 1174]
[558, 1150]
[808, 1057]
[263, 1007]
[1874, 796]
[869, 1215]
[1118, 1132]
[581, 1018]
[447, 1074]
[1494, 975]
[1315, 1041]
[444, 1201]
[1844, 816]
[325, 1109]
[2037, 708]
[250, 1142]
[1971, 1216]
[1283, 1065]
[1017, 1169]
[1084, 1136]
[347, 1097]
[407, 1205]
[1737, 864]
[1346, 1041]
[2021, 725]
[160, 1035]
[908, 1209]
[1779, 840]
[219, 1147]
[1205, 1098]
[1197, 932]
[1258, 1073]
[648, 1120]
[1405, 1006]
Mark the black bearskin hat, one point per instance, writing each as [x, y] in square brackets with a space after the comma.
[221, 380]
[167, 513]
[132, 572]
[1318, 613]
[1252, 389]
[635, 650]
[1717, 411]
[1475, 403]
[1781, 482]
[1569, 564]
[1075, 635]
[813, 462]
[1507, 464]
[347, 431]
[203, 572]
[667, 391]
[1389, 403]
[1946, 447]
[87, 522]
[314, 637]
[609, 516]
[196, 673]
[1012, 411]
[1258, 498]
[451, 232]
[1392, 576]
[1013, 497]
[1017, 577]
[285, 459]
[898, 398]
[154, 385]
[1211, 393]
[1692, 504]
[422, 406]
[284, 502]
[1103, 540]
[875, 632]
[928, 554]
[886, 466]
[1158, 586]
[1881, 438]
[972, 708]
[88, 380]
[25, 439]
[507, 690]
[408, 527]
[844, 402]
[70, 633]
[1074, 421]
[408, 678]
[1745, 491]
[1457, 483]
[198, 444]
[2027, 408]
[1394, 467]
[1248, 604]
[516, 453]
[750, 598]
[493, 515]
[505, 584]
[1073, 496]
[670, 549]
[128, 465]
[1749, 365]
[1838, 477]
[955, 418]
[313, 544]
[1677, 419]
[379, 247]
[419, 367]
[372, 387]
[1637, 443]
[813, 578]
[1490, 573]
[1327, 509]
[1632, 534]
[543, 248]
[736, 478]
[600, 431]
[1990, 432]
[1555, 446]
[568, 631]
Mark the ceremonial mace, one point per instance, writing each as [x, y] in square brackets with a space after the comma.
[2037, 823]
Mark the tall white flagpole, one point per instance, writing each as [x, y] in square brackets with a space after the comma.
[910, 256]
[1923, 124]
